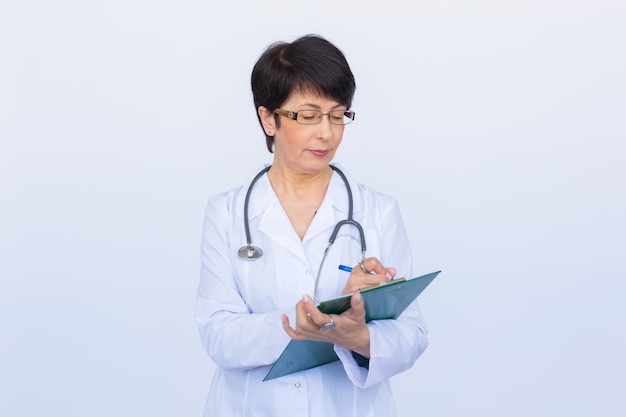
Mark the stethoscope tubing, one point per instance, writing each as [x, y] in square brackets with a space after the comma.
[246, 221]
[350, 220]
[250, 252]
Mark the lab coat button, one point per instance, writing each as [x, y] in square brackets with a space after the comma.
[308, 272]
[297, 385]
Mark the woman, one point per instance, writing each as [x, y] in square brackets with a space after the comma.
[250, 305]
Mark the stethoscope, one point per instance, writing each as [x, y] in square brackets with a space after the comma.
[251, 253]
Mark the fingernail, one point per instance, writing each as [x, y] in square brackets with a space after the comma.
[389, 276]
[358, 297]
[306, 298]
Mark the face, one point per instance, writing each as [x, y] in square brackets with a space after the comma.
[304, 149]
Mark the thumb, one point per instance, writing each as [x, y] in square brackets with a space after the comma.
[357, 304]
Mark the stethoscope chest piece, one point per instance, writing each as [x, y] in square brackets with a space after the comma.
[250, 253]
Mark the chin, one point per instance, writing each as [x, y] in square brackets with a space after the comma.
[321, 164]
[313, 168]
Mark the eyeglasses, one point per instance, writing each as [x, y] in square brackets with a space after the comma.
[312, 117]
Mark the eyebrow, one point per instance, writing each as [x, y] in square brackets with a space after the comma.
[318, 107]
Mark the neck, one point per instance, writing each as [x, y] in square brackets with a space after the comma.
[300, 195]
[289, 183]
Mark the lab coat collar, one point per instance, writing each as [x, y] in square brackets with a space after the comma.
[262, 196]
[275, 223]
[334, 207]
[339, 194]
[265, 207]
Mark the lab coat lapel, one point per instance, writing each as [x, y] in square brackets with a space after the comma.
[276, 225]
[326, 217]
[274, 221]
[334, 208]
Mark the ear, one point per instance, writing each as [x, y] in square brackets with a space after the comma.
[268, 121]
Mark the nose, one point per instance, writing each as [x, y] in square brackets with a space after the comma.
[325, 128]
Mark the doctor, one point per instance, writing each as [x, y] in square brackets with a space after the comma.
[250, 302]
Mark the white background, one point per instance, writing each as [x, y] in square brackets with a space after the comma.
[499, 126]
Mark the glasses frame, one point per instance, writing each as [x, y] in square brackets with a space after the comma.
[349, 114]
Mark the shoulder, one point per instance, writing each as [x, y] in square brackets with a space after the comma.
[229, 201]
[226, 202]
[367, 197]
[372, 196]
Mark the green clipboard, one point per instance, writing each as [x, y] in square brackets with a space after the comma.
[381, 302]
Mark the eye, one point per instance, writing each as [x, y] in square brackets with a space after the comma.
[308, 115]
[337, 116]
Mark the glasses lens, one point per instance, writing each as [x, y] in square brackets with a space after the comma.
[346, 117]
[337, 117]
[309, 117]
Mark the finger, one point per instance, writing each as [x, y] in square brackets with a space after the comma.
[357, 306]
[304, 324]
[291, 332]
[303, 315]
[370, 280]
[359, 281]
[390, 273]
[329, 325]
[311, 312]
[373, 265]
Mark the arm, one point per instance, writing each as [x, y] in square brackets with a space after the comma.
[395, 345]
[233, 337]
[392, 346]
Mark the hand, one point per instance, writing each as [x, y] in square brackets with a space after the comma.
[375, 275]
[350, 330]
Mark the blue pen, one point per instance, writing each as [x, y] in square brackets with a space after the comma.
[363, 268]
[349, 269]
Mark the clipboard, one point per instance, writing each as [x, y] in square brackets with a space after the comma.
[382, 302]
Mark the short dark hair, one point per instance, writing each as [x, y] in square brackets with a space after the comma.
[308, 64]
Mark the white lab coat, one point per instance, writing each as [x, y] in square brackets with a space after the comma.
[239, 304]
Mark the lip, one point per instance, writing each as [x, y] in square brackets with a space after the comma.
[320, 152]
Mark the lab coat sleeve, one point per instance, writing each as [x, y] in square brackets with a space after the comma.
[395, 345]
[230, 333]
